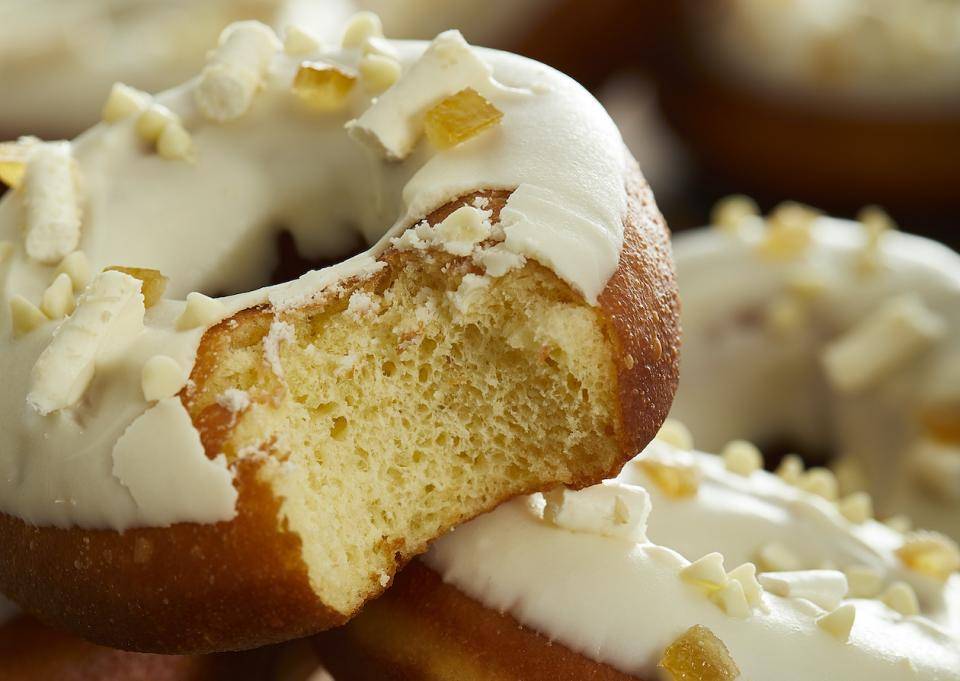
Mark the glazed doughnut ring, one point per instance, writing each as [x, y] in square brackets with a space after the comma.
[836, 337]
[184, 472]
[783, 585]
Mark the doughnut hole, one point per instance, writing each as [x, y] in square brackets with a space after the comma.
[390, 421]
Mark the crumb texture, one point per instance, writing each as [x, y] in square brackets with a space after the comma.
[399, 407]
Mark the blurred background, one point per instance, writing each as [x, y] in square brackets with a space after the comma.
[836, 103]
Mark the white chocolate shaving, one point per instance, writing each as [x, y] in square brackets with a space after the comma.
[201, 310]
[153, 120]
[888, 338]
[468, 292]
[839, 623]
[123, 101]
[394, 123]
[51, 203]
[901, 597]
[111, 311]
[58, 301]
[732, 599]
[235, 70]
[612, 509]
[25, 316]
[746, 575]
[825, 588]
[77, 267]
[175, 143]
[361, 27]
[707, 571]
[161, 461]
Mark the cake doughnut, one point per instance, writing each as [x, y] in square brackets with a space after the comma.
[835, 103]
[837, 338]
[193, 461]
[569, 585]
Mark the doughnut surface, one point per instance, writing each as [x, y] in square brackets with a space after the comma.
[199, 514]
[581, 599]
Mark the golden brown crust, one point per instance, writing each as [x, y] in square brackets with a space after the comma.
[30, 651]
[422, 629]
[196, 588]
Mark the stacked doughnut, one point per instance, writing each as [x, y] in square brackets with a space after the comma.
[733, 573]
[195, 461]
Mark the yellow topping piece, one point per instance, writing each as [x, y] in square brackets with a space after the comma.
[931, 554]
[323, 86]
[13, 163]
[460, 117]
[788, 231]
[154, 283]
[732, 212]
[742, 457]
[698, 655]
[677, 481]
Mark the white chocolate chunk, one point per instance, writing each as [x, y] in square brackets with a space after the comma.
[122, 102]
[732, 599]
[898, 331]
[299, 42]
[674, 433]
[77, 267]
[731, 213]
[175, 143]
[863, 581]
[379, 72]
[825, 588]
[463, 229]
[234, 400]
[497, 260]
[742, 457]
[901, 597]
[361, 27]
[25, 316]
[839, 623]
[936, 466]
[201, 310]
[856, 507]
[51, 202]
[110, 310]
[791, 469]
[161, 377]
[746, 574]
[153, 120]
[899, 523]
[58, 301]
[775, 557]
[611, 509]
[394, 123]
[161, 461]
[820, 481]
[707, 571]
[235, 70]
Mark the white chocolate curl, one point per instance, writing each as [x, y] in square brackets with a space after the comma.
[110, 311]
[394, 123]
[51, 203]
[235, 70]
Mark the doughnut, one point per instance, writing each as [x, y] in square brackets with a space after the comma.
[30, 651]
[836, 103]
[835, 338]
[195, 459]
[572, 585]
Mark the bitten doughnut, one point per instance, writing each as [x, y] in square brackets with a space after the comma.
[577, 585]
[837, 338]
[193, 461]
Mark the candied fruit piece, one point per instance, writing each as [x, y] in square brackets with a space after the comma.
[154, 283]
[931, 554]
[677, 481]
[460, 117]
[323, 86]
[698, 655]
[943, 422]
[13, 163]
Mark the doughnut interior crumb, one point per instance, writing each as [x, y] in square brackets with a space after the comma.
[395, 410]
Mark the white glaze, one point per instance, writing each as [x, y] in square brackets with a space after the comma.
[740, 379]
[208, 225]
[622, 602]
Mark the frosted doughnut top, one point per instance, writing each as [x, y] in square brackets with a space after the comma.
[579, 568]
[91, 433]
[836, 337]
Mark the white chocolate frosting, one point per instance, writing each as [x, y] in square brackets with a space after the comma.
[901, 53]
[622, 600]
[85, 454]
[841, 347]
